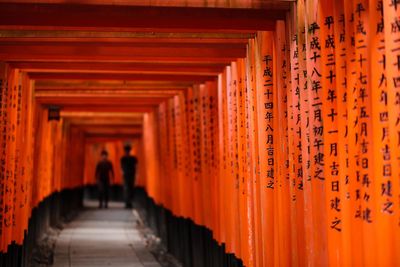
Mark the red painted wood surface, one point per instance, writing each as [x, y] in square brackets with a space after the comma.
[275, 128]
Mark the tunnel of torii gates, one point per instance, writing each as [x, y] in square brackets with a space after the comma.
[275, 125]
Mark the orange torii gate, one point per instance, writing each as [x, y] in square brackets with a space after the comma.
[274, 133]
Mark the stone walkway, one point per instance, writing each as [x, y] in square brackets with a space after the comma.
[106, 237]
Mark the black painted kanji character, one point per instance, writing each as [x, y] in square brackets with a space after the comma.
[328, 21]
[335, 224]
[313, 27]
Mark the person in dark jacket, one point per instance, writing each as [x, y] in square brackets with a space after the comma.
[128, 166]
[104, 175]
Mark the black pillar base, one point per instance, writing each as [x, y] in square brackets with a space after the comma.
[49, 213]
[193, 245]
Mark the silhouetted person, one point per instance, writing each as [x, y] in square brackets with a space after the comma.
[128, 166]
[104, 173]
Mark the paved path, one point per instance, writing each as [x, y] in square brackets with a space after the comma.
[106, 237]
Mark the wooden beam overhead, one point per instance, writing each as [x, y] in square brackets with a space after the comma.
[89, 91]
[100, 101]
[127, 67]
[36, 51]
[110, 108]
[113, 134]
[109, 129]
[101, 138]
[100, 56]
[124, 93]
[122, 77]
[106, 121]
[101, 115]
[267, 4]
[123, 37]
[110, 84]
[41, 97]
[111, 95]
[125, 45]
[35, 16]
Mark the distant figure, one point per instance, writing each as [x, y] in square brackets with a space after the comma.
[104, 174]
[128, 166]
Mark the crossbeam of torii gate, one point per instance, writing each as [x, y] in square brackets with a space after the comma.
[272, 127]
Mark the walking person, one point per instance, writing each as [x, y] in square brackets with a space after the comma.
[128, 166]
[104, 175]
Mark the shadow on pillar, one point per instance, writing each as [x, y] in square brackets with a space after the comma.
[51, 212]
[193, 245]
